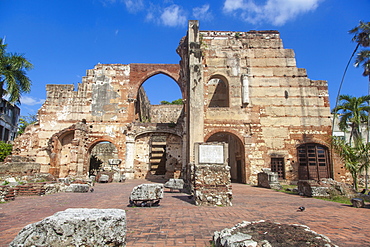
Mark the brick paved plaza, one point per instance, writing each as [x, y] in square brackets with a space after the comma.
[177, 222]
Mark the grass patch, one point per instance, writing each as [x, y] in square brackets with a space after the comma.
[338, 199]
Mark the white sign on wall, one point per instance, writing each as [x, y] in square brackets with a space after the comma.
[211, 154]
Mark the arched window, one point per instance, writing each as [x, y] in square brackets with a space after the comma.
[313, 162]
[218, 92]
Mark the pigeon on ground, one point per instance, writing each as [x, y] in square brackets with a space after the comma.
[301, 209]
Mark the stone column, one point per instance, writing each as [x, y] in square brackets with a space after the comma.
[195, 104]
[130, 156]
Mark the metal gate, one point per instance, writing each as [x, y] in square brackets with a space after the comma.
[277, 165]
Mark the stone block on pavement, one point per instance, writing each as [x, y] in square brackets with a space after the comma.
[175, 184]
[146, 194]
[78, 188]
[76, 227]
[358, 202]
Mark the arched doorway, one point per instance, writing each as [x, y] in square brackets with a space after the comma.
[102, 157]
[236, 154]
[154, 105]
[313, 161]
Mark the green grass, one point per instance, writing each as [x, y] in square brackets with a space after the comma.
[337, 199]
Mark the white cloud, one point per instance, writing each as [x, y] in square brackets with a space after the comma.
[277, 12]
[173, 16]
[134, 6]
[202, 13]
[26, 100]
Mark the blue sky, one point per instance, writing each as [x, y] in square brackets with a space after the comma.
[65, 38]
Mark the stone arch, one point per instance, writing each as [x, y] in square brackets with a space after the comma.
[90, 146]
[236, 153]
[158, 155]
[218, 91]
[139, 73]
[65, 149]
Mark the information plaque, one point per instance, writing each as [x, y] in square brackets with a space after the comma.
[211, 154]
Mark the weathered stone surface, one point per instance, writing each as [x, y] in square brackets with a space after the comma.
[77, 188]
[268, 179]
[268, 234]
[324, 188]
[76, 227]
[212, 185]
[241, 88]
[146, 193]
[103, 178]
[175, 184]
[358, 202]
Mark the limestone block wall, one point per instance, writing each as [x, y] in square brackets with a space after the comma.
[165, 113]
[271, 106]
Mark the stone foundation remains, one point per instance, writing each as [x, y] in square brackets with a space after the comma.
[240, 88]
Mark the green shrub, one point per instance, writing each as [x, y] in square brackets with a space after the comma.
[5, 150]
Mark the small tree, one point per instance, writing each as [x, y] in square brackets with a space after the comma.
[25, 121]
[354, 157]
[5, 150]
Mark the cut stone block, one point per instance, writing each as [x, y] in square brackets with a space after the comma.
[78, 188]
[146, 195]
[174, 184]
[358, 202]
[76, 227]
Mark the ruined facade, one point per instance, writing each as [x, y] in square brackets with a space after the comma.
[242, 88]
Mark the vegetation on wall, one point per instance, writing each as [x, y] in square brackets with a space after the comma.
[175, 102]
[5, 150]
[25, 121]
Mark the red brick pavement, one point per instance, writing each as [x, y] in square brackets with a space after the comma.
[177, 222]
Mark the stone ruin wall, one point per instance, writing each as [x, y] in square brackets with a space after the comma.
[273, 106]
[72, 122]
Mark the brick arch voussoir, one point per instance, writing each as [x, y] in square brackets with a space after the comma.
[156, 132]
[235, 133]
[93, 143]
[139, 73]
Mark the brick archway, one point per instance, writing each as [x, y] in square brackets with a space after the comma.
[236, 154]
[139, 73]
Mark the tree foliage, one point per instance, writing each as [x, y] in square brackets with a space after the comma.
[355, 157]
[5, 150]
[13, 79]
[353, 112]
[362, 38]
[175, 102]
[25, 121]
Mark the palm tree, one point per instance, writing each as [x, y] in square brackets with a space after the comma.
[362, 38]
[363, 58]
[353, 113]
[13, 78]
[355, 158]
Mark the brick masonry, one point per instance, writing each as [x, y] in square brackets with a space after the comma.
[238, 87]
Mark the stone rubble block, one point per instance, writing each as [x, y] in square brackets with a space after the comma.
[78, 188]
[146, 193]
[76, 227]
[267, 234]
[175, 184]
[358, 202]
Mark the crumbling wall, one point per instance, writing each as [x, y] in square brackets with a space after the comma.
[272, 106]
[165, 113]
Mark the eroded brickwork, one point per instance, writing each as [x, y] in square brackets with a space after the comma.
[242, 88]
